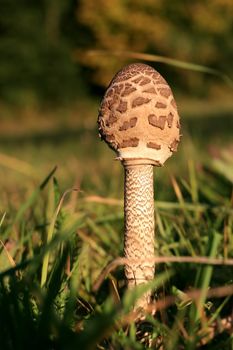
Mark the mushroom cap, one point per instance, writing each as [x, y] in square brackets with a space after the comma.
[138, 116]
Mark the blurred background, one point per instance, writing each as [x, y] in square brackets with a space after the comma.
[58, 56]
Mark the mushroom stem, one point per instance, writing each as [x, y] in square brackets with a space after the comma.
[139, 225]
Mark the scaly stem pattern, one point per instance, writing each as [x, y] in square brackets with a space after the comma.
[139, 226]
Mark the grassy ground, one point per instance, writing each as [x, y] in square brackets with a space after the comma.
[56, 241]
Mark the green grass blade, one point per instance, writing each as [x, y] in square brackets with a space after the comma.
[30, 201]
[32, 264]
[162, 59]
[50, 232]
[207, 273]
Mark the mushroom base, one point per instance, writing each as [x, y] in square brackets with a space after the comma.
[139, 227]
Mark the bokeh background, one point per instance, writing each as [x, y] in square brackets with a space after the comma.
[58, 56]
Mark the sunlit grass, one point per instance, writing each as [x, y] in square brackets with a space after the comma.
[54, 248]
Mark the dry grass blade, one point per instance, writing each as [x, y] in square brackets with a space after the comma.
[9, 257]
[160, 260]
[193, 207]
[164, 303]
[17, 165]
[102, 200]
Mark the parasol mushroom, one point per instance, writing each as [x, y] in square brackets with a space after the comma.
[138, 119]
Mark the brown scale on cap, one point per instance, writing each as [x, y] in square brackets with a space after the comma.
[133, 142]
[158, 122]
[170, 119]
[122, 107]
[153, 145]
[165, 92]
[139, 110]
[160, 105]
[128, 124]
[150, 90]
[128, 90]
[138, 101]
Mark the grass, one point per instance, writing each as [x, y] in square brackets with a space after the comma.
[60, 231]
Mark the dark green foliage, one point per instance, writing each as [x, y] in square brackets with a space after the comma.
[35, 54]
